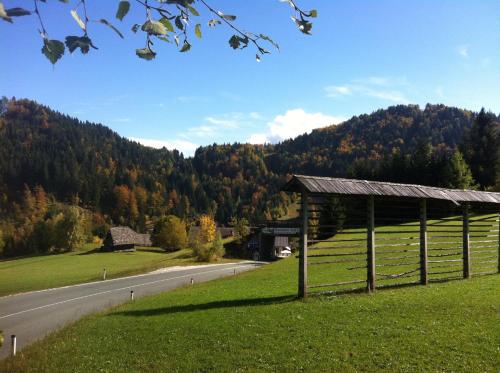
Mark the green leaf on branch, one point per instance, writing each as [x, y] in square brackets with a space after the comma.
[178, 23]
[304, 25]
[185, 47]
[164, 38]
[267, 38]
[237, 42]
[197, 31]
[145, 53]
[166, 22]
[123, 9]
[53, 50]
[104, 22]
[78, 19]
[213, 23]
[82, 42]
[154, 28]
[135, 28]
[3, 14]
[193, 11]
[17, 12]
[227, 17]
[313, 13]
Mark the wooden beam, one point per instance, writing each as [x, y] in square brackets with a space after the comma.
[303, 248]
[466, 241]
[370, 243]
[423, 242]
[499, 242]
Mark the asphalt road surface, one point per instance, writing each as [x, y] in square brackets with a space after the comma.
[31, 316]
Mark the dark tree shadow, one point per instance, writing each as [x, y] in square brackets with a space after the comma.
[93, 251]
[208, 306]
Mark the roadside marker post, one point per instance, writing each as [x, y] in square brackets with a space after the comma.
[13, 344]
[104, 274]
[192, 281]
[234, 271]
[131, 295]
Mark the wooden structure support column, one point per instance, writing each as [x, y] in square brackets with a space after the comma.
[303, 247]
[423, 243]
[466, 241]
[370, 244]
[498, 242]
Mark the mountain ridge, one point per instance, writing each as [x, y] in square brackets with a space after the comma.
[95, 167]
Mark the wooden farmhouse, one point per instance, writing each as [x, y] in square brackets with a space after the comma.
[124, 238]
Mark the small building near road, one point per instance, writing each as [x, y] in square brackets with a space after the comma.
[282, 248]
[272, 241]
[124, 238]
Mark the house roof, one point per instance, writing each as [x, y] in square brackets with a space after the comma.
[127, 236]
[328, 185]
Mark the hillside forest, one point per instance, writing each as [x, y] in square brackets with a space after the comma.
[64, 181]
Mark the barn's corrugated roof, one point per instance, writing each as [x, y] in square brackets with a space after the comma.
[127, 236]
[328, 185]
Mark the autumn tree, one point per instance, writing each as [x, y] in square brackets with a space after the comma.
[210, 252]
[241, 228]
[207, 230]
[165, 21]
[170, 233]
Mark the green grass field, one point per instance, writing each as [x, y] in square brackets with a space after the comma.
[47, 271]
[253, 322]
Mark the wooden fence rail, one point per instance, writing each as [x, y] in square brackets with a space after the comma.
[432, 242]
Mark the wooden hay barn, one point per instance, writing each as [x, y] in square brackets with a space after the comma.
[377, 234]
[124, 238]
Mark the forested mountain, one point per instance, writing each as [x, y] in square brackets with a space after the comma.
[122, 182]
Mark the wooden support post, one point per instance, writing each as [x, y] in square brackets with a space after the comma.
[370, 244]
[466, 241]
[423, 242]
[499, 242]
[303, 248]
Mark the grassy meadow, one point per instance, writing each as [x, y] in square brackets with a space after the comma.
[253, 322]
[47, 271]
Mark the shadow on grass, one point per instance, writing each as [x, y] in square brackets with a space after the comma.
[208, 306]
[93, 251]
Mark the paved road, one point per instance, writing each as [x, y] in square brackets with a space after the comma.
[32, 315]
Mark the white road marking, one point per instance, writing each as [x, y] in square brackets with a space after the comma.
[180, 268]
[124, 288]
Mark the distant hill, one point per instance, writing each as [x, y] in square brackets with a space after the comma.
[90, 165]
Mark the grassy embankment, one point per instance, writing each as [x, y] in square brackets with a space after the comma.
[253, 322]
[42, 272]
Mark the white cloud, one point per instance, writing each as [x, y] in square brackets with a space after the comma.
[122, 120]
[191, 99]
[186, 147]
[382, 88]
[335, 91]
[293, 123]
[218, 126]
[227, 122]
[463, 51]
[255, 115]
[257, 138]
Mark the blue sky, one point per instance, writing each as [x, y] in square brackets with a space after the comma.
[363, 55]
